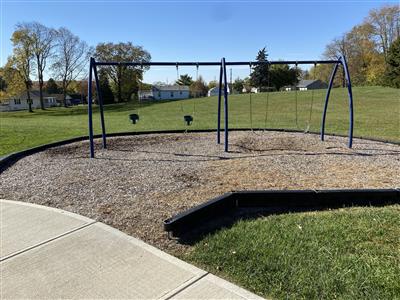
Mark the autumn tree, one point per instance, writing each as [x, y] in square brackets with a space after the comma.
[22, 60]
[366, 47]
[124, 80]
[43, 41]
[385, 22]
[78, 87]
[199, 88]
[361, 52]
[212, 84]
[14, 82]
[335, 49]
[3, 84]
[71, 60]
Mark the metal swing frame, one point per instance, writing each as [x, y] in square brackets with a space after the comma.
[93, 64]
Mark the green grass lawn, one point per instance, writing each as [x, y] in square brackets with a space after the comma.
[349, 253]
[376, 115]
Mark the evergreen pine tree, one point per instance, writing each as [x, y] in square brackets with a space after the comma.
[259, 75]
[392, 76]
[52, 87]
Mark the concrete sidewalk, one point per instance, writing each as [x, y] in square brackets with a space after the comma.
[50, 253]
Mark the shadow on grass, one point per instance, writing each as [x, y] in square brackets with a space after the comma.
[231, 217]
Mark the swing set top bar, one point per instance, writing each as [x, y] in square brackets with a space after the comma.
[222, 82]
[232, 63]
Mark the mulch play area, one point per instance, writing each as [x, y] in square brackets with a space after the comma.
[139, 181]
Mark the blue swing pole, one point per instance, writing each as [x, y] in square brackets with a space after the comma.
[219, 106]
[328, 92]
[100, 98]
[226, 129]
[90, 114]
[222, 64]
[350, 94]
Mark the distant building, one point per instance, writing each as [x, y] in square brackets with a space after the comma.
[60, 98]
[215, 91]
[20, 102]
[165, 92]
[257, 90]
[76, 99]
[305, 85]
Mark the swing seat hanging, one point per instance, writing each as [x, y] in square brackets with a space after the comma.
[188, 119]
[134, 118]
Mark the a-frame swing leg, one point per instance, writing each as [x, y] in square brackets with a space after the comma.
[90, 112]
[350, 95]
[100, 99]
[219, 106]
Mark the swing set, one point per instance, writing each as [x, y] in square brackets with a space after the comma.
[223, 92]
[268, 88]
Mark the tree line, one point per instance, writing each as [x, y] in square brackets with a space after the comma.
[267, 77]
[263, 76]
[39, 50]
[372, 50]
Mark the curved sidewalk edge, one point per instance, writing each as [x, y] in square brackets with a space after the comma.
[50, 253]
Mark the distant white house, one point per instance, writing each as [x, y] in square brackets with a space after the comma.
[304, 85]
[215, 91]
[165, 92]
[255, 90]
[20, 102]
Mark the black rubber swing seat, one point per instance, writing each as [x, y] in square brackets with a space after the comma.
[188, 119]
[134, 118]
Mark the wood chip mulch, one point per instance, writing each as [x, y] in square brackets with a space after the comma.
[139, 181]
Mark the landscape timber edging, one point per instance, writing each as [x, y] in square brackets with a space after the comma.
[277, 201]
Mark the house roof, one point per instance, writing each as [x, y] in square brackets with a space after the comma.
[33, 94]
[36, 93]
[216, 89]
[171, 87]
[305, 83]
[59, 97]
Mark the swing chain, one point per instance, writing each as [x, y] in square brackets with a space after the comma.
[194, 101]
[140, 87]
[312, 100]
[296, 100]
[267, 98]
[250, 100]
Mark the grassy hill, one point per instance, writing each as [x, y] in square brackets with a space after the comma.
[376, 115]
[350, 253]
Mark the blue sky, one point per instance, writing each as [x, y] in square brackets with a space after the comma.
[196, 30]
